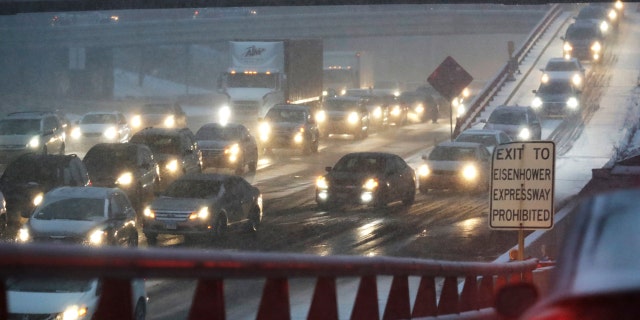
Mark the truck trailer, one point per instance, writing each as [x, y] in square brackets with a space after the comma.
[344, 70]
[262, 74]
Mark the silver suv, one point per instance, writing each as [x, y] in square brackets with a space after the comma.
[30, 132]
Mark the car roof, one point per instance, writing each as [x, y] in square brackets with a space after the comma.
[161, 131]
[513, 108]
[205, 176]
[117, 146]
[481, 131]
[82, 192]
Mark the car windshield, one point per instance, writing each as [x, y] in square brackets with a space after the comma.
[99, 119]
[99, 159]
[560, 66]
[360, 164]
[555, 87]
[484, 139]
[157, 109]
[582, 33]
[340, 105]
[218, 133]
[159, 143]
[445, 153]
[286, 115]
[19, 126]
[73, 208]
[508, 117]
[49, 285]
[592, 13]
[199, 189]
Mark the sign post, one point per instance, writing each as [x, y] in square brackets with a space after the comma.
[522, 187]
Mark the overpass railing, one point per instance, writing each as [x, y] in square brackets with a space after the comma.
[117, 266]
[492, 88]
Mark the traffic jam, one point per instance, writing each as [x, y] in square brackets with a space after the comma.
[305, 149]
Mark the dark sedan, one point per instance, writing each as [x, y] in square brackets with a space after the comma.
[227, 146]
[203, 206]
[367, 178]
[596, 276]
[83, 215]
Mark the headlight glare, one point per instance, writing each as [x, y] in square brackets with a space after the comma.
[424, 170]
[536, 103]
[572, 103]
[524, 134]
[125, 179]
[321, 116]
[136, 121]
[596, 47]
[34, 142]
[172, 165]
[97, 237]
[23, 235]
[170, 121]
[353, 118]
[567, 47]
[37, 199]
[370, 184]
[111, 133]
[264, 129]
[224, 115]
[470, 172]
[74, 312]
[576, 79]
[201, 214]
[76, 133]
[321, 183]
[545, 78]
[147, 212]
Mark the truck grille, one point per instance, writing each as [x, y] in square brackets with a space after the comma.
[245, 109]
[172, 215]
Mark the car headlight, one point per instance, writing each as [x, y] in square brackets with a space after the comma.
[396, 111]
[613, 15]
[299, 137]
[470, 172]
[97, 237]
[576, 79]
[572, 103]
[170, 121]
[377, 112]
[596, 47]
[37, 199]
[149, 213]
[604, 26]
[545, 78]
[111, 133]
[76, 133]
[321, 116]
[264, 130]
[172, 165]
[321, 183]
[524, 134]
[567, 47]
[74, 312]
[419, 108]
[353, 118]
[536, 103]
[370, 184]
[23, 235]
[34, 142]
[224, 115]
[461, 109]
[201, 214]
[232, 152]
[619, 5]
[125, 179]
[136, 121]
[424, 170]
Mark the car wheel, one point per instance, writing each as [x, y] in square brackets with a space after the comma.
[254, 220]
[253, 166]
[140, 312]
[220, 229]
[3, 225]
[152, 238]
[132, 241]
[410, 197]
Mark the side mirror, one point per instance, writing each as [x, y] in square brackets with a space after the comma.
[514, 299]
[327, 169]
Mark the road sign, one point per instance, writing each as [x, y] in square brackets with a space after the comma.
[522, 185]
[449, 78]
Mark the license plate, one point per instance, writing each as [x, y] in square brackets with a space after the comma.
[170, 225]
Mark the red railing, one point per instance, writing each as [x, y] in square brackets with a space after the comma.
[117, 266]
[492, 88]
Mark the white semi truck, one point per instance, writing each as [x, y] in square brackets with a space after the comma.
[345, 70]
[262, 74]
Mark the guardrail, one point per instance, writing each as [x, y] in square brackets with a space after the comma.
[492, 88]
[117, 266]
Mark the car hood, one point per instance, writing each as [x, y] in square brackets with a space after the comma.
[582, 42]
[214, 144]
[356, 179]
[289, 126]
[47, 302]
[62, 228]
[17, 139]
[558, 97]
[108, 175]
[453, 166]
[180, 204]
[96, 127]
